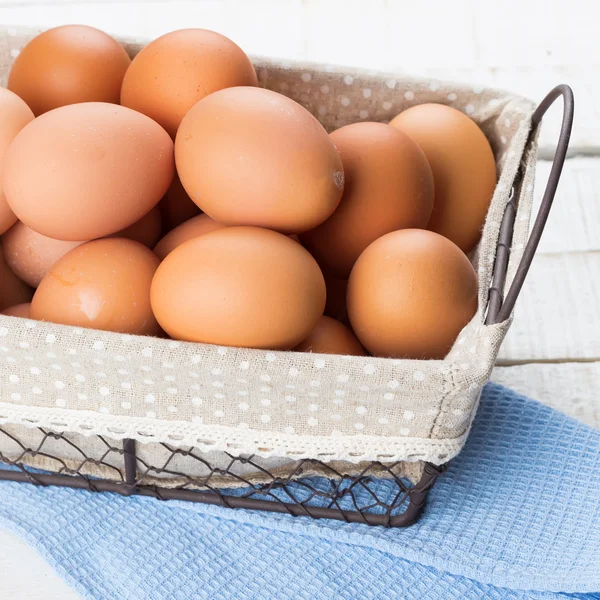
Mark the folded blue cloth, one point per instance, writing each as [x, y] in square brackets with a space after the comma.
[517, 515]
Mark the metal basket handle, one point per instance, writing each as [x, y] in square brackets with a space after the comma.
[499, 309]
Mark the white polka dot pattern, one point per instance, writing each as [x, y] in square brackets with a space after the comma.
[280, 404]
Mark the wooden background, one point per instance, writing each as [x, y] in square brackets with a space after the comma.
[552, 352]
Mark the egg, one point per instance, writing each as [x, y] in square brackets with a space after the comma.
[176, 207]
[12, 289]
[410, 294]
[249, 156]
[18, 310]
[463, 165]
[104, 284]
[68, 65]
[388, 186]
[146, 231]
[195, 227]
[87, 170]
[180, 68]
[14, 115]
[239, 286]
[31, 255]
[331, 337]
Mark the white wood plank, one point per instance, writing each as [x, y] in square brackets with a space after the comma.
[26, 575]
[557, 316]
[574, 222]
[572, 388]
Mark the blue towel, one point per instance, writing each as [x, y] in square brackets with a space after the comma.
[517, 515]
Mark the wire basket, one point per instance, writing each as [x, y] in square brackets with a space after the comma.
[375, 479]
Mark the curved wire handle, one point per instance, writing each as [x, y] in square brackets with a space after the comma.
[499, 310]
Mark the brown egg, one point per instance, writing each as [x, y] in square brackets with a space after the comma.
[176, 207]
[12, 289]
[180, 68]
[87, 170]
[248, 156]
[388, 186]
[336, 298]
[18, 310]
[30, 254]
[463, 165]
[410, 294]
[331, 337]
[146, 231]
[14, 115]
[104, 284]
[67, 65]
[195, 227]
[239, 286]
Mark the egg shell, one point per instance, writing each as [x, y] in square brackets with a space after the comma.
[14, 115]
[12, 289]
[180, 68]
[31, 255]
[239, 286]
[176, 207]
[87, 170]
[331, 337]
[18, 310]
[249, 156]
[388, 186]
[463, 166]
[195, 227]
[68, 65]
[104, 284]
[410, 294]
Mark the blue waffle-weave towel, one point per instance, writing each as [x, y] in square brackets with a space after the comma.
[517, 515]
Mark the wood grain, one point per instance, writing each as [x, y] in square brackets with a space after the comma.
[574, 222]
[572, 388]
[557, 316]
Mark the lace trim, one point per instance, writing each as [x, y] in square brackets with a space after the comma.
[237, 441]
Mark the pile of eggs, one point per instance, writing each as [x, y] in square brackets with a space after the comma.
[169, 195]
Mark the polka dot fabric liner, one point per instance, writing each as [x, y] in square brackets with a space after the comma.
[282, 406]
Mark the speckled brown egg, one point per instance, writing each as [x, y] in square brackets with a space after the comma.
[239, 286]
[388, 186]
[14, 115]
[67, 65]
[180, 68]
[331, 337]
[463, 165]
[30, 254]
[249, 156]
[410, 293]
[12, 289]
[87, 170]
[18, 310]
[176, 207]
[104, 284]
[195, 227]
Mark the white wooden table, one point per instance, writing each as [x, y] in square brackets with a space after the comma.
[552, 352]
